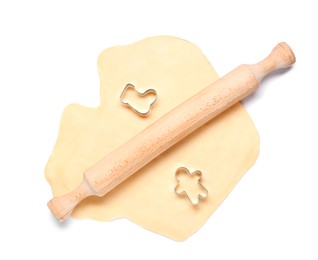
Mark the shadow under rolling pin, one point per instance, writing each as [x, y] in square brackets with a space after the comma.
[118, 165]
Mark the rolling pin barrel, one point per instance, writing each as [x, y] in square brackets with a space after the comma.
[170, 129]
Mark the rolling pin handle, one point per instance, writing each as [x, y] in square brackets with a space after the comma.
[62, 206]
[281, 57]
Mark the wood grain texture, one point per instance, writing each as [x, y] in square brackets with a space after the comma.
[170, 129]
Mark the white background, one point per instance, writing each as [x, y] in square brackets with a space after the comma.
[48, 55]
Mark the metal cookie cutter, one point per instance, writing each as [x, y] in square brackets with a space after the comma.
[125, 103]
[184, 192]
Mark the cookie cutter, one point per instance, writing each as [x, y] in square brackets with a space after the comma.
[183, 192]
[150, 90]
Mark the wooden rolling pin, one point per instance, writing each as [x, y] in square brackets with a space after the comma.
[170, 129]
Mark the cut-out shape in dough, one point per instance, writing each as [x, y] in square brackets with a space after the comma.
[140, 102]
[223, 149]
[189, 184]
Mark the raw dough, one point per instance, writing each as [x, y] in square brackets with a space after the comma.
[223, 150]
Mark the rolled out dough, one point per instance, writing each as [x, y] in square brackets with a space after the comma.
[223, 150]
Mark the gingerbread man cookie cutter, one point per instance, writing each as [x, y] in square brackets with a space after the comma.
[141, 94]
[184, 192]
